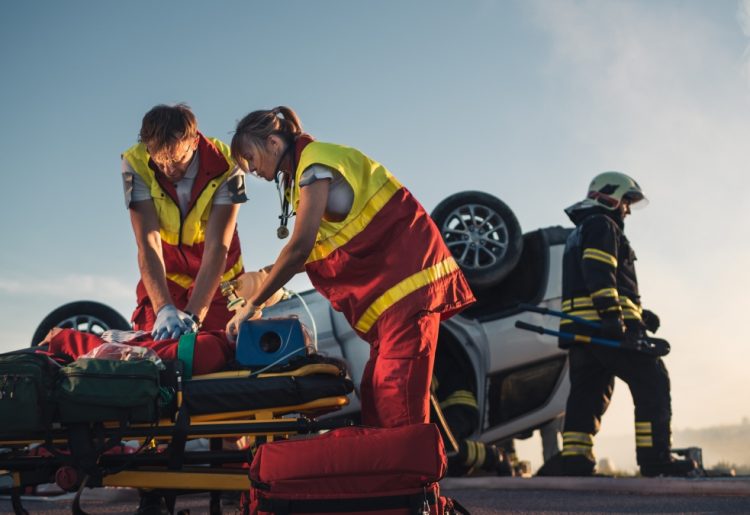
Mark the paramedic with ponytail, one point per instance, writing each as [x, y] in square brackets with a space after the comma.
[183, 191]
[369, 247]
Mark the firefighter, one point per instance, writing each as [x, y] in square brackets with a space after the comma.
[454, 389]
[369, 247]
[183, 191]
[599, 284]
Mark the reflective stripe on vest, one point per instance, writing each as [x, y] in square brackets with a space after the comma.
[402, 289]
[194, 224]
[428, 262]
[372, 183]
[186, 281]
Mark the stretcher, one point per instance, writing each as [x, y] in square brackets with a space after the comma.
[237, 405]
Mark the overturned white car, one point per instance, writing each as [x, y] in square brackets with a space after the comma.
[519, 378]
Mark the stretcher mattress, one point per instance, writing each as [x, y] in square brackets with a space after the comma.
[231, 394]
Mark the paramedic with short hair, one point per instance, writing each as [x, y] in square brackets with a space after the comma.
[369, 247]
[183, 191]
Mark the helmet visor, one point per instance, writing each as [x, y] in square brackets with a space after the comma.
[636, 199]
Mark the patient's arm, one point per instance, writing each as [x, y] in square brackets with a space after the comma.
[249, 283]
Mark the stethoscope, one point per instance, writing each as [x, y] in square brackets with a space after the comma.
[284, 183]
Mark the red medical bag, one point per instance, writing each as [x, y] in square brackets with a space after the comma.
[352, 470]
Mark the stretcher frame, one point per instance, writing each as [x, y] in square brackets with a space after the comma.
[173, 470]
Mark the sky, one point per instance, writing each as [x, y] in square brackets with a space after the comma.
[526, 100]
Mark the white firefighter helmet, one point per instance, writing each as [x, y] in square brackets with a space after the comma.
[609, 189]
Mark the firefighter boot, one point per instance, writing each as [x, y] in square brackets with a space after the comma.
[573, 465]
[579, 465]
[652, 441]
[655, 462]
[507, 463]
[578, 454]
[473, 456]
[510, 460]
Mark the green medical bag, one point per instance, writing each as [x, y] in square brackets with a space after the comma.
[97, 390]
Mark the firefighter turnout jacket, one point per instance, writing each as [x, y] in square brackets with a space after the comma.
[599, 279]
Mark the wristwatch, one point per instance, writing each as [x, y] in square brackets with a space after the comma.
[194, 318]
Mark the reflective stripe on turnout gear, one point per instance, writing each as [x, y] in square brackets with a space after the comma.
[577, 444]
[630, 310]
[476, 454]
[462, 398]
[600, 255]
[644, 436]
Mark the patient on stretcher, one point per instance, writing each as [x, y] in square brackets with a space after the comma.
[213, 351]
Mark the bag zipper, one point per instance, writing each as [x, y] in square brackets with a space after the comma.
[2, 386]
[9, 383]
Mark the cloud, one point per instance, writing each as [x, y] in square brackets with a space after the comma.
[660, 92]
[657, 92]
[743, 18]
[69, 287]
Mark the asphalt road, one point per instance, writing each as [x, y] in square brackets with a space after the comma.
[483, 496]
[484, 501]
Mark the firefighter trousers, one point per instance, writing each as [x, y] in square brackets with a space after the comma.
[592, 373]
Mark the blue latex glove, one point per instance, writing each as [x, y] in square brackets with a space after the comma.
[172, 323]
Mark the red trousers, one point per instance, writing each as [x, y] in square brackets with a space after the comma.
[395, 387]
[212, 350]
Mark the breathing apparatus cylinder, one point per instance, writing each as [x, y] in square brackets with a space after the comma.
[229, 290]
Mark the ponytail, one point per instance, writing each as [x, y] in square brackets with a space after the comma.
[289, 122]
[257, 126]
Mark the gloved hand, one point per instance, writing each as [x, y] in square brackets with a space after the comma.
[248, 311]
[172, 323]
[650, 320]
[613, 328]
[191, 321]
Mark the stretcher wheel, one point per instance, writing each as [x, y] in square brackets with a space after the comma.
[67, 478]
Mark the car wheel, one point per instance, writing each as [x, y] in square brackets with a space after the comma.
[483, 235]
[86, 316]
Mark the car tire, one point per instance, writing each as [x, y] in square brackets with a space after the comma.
[483, 235]
[86, 316]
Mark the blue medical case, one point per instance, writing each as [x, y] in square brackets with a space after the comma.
[271, 341]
